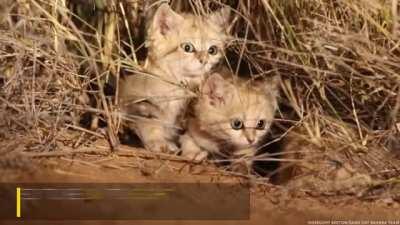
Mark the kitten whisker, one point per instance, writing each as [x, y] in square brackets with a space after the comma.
[284, 153]
[278, 160]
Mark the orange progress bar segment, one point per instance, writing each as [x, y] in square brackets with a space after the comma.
[18, 202]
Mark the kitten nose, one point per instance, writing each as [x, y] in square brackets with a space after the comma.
[250, 140]
[202, 57]
[249, 136]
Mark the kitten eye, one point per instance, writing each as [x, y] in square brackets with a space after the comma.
[236, 124]
[260, 124]
[188, 47]
[213, 50]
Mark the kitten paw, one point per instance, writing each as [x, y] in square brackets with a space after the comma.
[242, 166]
[196, 156]
[162, 146]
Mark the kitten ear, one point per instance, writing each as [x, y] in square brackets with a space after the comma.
[214, 89]
[166, 20]
[269, 86]
[221, 17]
[273, 85]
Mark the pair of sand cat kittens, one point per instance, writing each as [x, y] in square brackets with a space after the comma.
[226, 115]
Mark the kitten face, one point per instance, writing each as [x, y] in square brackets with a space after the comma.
[237, 114]
[188, 45]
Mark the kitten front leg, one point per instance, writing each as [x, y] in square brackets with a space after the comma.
[154, 136]
[191, 150]
[241, 166]
[244, 160]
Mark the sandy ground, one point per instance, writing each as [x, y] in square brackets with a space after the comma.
[270, 204]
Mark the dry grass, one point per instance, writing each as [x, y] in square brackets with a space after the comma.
[339, 60]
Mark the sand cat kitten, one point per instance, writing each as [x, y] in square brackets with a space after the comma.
[229, 117]
[182, 49]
